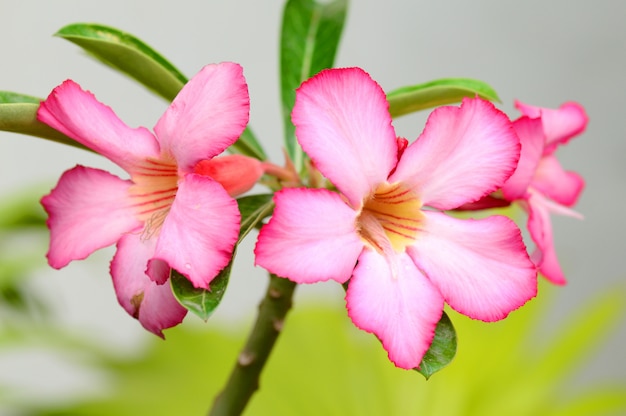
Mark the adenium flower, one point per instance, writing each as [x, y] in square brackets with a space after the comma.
[539, 184]
[175, 211]
[402, 260]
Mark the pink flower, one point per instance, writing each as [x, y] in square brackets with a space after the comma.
[403, 261]
[171, 213]
[540, 184]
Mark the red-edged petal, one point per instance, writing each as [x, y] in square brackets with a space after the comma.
[342, 122]
[152, 304]
[89, 209]
[236, 173]
[207, 115]
[560, 124]
[532, 139]
[200, 231]
[562, 186]
[480, 266]
[402, 311]
[463, 154]
[77, 114]
[310, 238]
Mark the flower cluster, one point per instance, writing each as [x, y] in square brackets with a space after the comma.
[380, 226]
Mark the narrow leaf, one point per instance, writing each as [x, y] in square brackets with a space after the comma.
[441, 351]
[310, 35]
[125, 53]
[248, 145]
[254, 209]
[406, 100]
[18, 114]
[200, 301]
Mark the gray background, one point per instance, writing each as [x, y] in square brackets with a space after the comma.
[541, 52]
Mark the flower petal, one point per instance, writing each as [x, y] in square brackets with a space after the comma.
[310, 238]
[207, 115]
[152, 304]
[89, 209]
[554, 182]
[402, 311]
[236, 173]
[200, 231]
[480, 266]
[559, 125]
[77, 114]
[532, 139]
[342, 122]
[462, 155]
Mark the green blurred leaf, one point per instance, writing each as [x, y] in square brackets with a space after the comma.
[441, 351]
[200, 301]
[248, 145]
[310, 35]
[254, 209]
[18, 114]
[128, 54]
[406, 100]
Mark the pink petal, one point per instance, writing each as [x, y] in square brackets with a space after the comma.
[530, 133]
[540, 229]
[480, 266]
[554, 182]
[77, 114]
[89, 209]
[152, 304]
[462, 155]
[343, 123]
[402, 310]
[236, 173]
[559, 125]
[207, 115]
[310, 238]
[199, 234]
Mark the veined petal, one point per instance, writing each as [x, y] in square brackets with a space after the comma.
[310, 238]
[530, 132]
[152, 304]
[200, 231]
[562, 186]
[207, 115]
[89, 209]
[402, 310]
[560, 124]
[342, 122]
[463, 154]
[236, 173]
[480, 266]
[77, 114]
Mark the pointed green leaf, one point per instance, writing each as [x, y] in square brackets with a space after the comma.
[127, 54]
[406, 100]
[254, 209]
[441, 351]
[248, 145]
[200, 301]
[310, 36]
[18, 114]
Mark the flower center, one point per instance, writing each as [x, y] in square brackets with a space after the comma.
[154, 189]
[390, 218]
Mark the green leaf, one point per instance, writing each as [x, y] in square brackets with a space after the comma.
[125, 53]
[254, 209]
[441, 351]
[248, 145]
[406, 100]
[310, 36]
[200, 301]
[18, 114]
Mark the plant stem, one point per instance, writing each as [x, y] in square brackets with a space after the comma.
[244, 378]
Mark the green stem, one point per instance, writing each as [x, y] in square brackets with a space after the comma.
[244, 378]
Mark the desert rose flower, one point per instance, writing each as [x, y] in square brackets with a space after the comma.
[402, 260]
[174, 211]
[540, 185]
